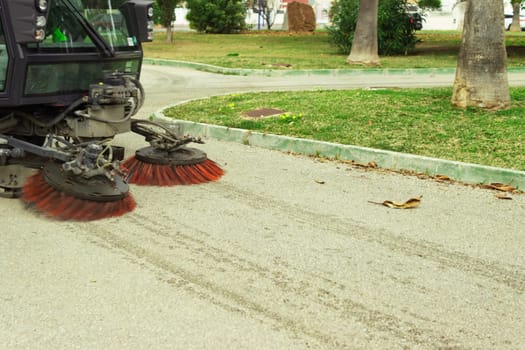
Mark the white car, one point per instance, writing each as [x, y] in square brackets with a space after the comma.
[508, 22]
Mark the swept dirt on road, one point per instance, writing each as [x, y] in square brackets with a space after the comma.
[285, 252]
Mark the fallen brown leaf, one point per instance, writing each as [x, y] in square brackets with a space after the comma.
[442, 178]
[411, 203]
[371, 164]
[501, 187]
[503, 196]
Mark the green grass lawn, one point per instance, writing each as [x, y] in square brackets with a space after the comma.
[276, 49]
[417, 121]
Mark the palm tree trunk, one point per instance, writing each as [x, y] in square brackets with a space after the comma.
[364, 45]
[481, 74]
[516, 24]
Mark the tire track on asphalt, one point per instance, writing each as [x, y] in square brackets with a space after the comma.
[302, 294]
[194, 282]
[501, 273]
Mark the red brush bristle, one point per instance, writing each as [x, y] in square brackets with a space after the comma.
[38, 193]
[210, 169]
[147, 174]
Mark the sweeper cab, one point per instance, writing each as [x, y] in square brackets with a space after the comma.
[69, 82]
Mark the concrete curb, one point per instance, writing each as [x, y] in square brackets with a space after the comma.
[294, 72]
[464, 172]
[305, 72]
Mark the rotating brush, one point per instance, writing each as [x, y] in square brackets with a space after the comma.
[184, 166]
[60, 195]
[168, 161]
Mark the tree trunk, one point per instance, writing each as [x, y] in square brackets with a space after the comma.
[364, 45]
[167, 15]
[481, 74]
[516, 25]
[169, 34]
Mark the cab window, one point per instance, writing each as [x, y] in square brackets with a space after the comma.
[4, 58]
[65, 31]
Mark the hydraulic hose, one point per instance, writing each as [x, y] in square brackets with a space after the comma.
[56, 119]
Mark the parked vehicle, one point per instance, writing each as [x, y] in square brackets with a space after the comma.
[414, 16]
[508, 22]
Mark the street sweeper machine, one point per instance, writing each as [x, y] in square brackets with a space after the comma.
[69, 82]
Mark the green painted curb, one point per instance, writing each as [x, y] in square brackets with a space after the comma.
[464, 172]
[297, 72]
[294, 72]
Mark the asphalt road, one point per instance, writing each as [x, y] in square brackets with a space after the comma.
[284, 252]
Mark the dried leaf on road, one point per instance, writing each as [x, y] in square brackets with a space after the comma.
[503, 196]
[369, 165]
[411, 203]
[501, 187]
[443, 178]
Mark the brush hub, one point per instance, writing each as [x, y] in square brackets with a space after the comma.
[97, 188]
[179, 156]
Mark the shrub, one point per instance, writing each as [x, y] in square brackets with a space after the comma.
[343, 15]
[395, 35]
[156, 13]
[216, 16]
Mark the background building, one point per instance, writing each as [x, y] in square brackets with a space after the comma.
[449, 17]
